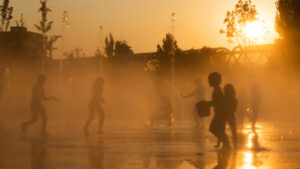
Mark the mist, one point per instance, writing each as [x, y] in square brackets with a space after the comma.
[174, 107]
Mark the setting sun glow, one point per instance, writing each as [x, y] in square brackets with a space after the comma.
[255, 30]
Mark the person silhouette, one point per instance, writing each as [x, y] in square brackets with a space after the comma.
[223, 159]
[37, 107]
[230, 108]
[218, 123]
[164, 110]
[241, 108]
[167, 107]
[197, 94]
[95, 105]
[255, 104]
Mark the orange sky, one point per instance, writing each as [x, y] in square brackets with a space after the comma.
[142, 23]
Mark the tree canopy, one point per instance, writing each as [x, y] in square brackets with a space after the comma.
[6, 15]
[109, 45]
[288, 20]
[44, 27]
[166, 54]
[236, 20]
[117, 51]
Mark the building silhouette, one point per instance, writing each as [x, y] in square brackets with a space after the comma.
[20, 46]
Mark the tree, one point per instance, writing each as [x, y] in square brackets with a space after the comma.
[74, 54]
[288, 27]
[20, 22]
[6, 15]
[192, 61]
[119, 57]
[50, 45]
[78, 52]
[169, 46]
[236, 20]
[109, 45]
[44, 27]
[117, 51]
[166, 54]
[122, 49]
[288, 20]
[69, 55]
[98, 54]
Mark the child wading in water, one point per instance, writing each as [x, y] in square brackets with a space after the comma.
[95, 105]
[230, 106]
[218, 123]
[197, 94]
[38, 97]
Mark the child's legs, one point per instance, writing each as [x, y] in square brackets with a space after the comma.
[44, 118]
[254, 119]
[100, 111]
[34, 117]
[222, 136]
[170, 119]
[232, 124]
[215, 130]
[92, 110]
[198, 120]
[217, 127]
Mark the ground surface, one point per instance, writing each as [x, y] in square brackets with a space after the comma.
[274, 146]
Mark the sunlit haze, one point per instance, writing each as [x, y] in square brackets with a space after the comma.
[255, 30]
[149, 84]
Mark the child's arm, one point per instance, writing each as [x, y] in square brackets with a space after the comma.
[47, 98]
[189, 95]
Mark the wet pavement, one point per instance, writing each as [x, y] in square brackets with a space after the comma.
[272, 146]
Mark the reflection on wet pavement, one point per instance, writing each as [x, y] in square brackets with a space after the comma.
[179, 148]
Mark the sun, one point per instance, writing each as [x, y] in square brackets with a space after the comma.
[255, 30]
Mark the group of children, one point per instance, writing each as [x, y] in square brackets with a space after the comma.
[224, 103]
[38, 97]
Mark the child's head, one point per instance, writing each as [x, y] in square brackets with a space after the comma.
[214, 79]
[229, 90]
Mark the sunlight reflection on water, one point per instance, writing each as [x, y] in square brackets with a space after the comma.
[163, 148]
